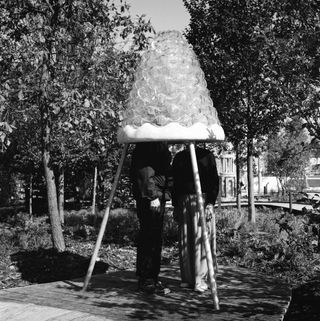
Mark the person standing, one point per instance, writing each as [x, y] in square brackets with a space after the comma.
[149, 173]
[193, 263]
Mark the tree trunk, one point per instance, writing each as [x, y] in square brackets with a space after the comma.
[238, 183]
[251, 206]
[94, 196]
[220, 194]
[259, 176]
[318, 226]
[30, 196]
[57, 235]
[61, 194]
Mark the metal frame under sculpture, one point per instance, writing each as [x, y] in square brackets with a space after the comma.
[205, 237]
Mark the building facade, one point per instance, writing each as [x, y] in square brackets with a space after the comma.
[227, 171]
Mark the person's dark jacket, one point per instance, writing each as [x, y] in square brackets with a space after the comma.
[183, 178]
[150, 171]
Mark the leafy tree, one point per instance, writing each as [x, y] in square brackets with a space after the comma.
[53, 52]
[288, 154]
[303, 63]
[25, 151]
[85, 138]
[6, 50]
[244, 50]
[309, 108]
[5, 131]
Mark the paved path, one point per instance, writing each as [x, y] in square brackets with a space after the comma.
[295, 206]
[243, 294]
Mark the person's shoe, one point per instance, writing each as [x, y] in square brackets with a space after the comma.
[146, 286]
[160, 289]
[202, 287]
[184, 285]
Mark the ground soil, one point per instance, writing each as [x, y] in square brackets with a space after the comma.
[24, 267]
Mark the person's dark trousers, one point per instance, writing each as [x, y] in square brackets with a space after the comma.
[149, 241]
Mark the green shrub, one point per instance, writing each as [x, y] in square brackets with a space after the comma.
[75, 218]
[170, 229]
[7, 238]
[122, 226]
[280, 243]
[29, 233]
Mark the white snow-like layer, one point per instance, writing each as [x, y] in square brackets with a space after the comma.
[171, 132]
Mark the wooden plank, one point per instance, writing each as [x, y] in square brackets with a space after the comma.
[243, 294]
[12, 311]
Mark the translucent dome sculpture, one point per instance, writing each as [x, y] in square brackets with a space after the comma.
[169, 99]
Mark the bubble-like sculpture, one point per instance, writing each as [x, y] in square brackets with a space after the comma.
[169, 99]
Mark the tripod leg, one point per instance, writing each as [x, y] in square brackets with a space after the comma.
[105, 220]
[214, 242]
[213, 285]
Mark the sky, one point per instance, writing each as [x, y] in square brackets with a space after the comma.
[164, 14]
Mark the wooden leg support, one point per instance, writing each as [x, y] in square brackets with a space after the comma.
[214, 243]
[213, 285]
[105, 220]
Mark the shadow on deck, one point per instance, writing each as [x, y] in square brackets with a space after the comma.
[243, 295]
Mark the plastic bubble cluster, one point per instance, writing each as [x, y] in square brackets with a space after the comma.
[169, 86]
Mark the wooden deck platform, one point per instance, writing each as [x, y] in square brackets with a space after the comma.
[243, 295]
